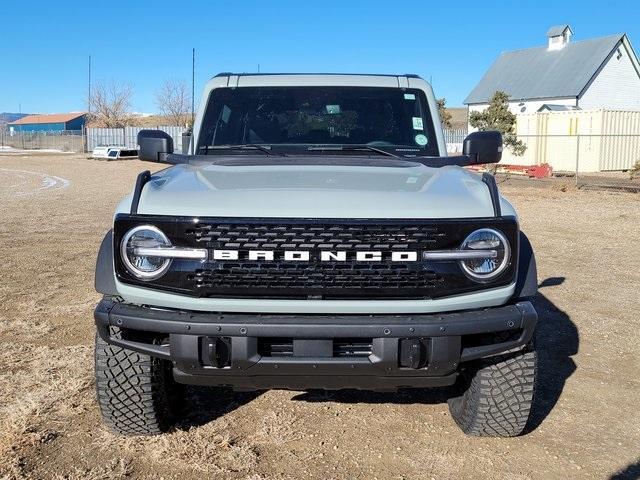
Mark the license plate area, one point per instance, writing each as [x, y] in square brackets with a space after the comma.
[316, 348]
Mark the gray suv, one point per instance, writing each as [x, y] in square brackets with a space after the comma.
[316, 236]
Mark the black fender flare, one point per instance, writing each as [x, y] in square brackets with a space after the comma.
[104, 280]
[527, 277]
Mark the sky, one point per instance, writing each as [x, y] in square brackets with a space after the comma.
[46, 44]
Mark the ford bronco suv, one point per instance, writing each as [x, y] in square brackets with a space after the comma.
[316, 236]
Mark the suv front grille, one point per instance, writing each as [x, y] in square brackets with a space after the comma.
[316, 279]
[331, 236]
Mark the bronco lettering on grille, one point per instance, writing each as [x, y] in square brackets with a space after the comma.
[322, 255]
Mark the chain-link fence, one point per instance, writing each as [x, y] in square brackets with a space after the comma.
[65, 141]
[567, 153]
[577, 154]
[82, 140]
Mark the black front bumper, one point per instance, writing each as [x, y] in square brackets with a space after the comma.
[420, 350]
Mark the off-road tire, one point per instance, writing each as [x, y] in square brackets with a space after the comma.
[136, 393]
[498, 396]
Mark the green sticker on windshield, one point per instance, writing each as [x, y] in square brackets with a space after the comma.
[421, 139]
[333, 109]
[409, 96]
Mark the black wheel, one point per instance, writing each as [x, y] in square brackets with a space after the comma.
[136, 393]
[498, 395]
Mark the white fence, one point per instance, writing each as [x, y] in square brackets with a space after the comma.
[453, 139]
[127, 136]
[455, 136]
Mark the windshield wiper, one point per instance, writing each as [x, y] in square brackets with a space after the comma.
[353, 148]
[243, 146]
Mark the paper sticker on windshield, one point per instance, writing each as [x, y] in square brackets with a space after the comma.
[226, 113]
[417, 123]
[409, 96]
[421, 139]
[333, 109]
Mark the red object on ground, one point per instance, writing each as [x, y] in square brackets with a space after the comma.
[533, 171]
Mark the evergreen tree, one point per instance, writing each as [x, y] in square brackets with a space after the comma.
[498, 117]
[445, 114]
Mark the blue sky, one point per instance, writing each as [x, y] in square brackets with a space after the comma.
[45, 44]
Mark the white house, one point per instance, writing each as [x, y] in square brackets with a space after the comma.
[564, 75]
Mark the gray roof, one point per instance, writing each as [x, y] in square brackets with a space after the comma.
[558, 30]
[542, 73]
[558, 108]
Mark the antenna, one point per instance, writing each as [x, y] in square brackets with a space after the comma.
[193, 86]
[258, 68]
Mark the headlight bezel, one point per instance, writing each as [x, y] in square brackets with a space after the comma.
[504, 264]
[137, 273]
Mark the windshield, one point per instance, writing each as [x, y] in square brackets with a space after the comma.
[296, 118]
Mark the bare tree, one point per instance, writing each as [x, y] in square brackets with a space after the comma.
[111, 104]
[174, 102]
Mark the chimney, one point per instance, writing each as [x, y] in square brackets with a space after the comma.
[559, 36]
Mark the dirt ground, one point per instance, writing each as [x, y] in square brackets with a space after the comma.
[586, 422]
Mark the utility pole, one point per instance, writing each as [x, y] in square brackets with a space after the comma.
[84, 127]
[193, 87]
[89, 90]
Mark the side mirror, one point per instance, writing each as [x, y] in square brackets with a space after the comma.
[155, 145]
[483, 147]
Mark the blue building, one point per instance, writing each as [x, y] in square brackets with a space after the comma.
[57, 122]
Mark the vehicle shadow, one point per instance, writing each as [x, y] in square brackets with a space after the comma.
[630, 472]
[202, 405]
[556, 340]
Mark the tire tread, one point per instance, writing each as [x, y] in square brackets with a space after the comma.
[133, 390]
[498, 399]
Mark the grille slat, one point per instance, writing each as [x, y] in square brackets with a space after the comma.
[330, 279]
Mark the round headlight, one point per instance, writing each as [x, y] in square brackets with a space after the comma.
[144, 267]
[493, 253]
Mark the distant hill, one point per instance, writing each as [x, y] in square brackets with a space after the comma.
[458, 117]
[6, 117]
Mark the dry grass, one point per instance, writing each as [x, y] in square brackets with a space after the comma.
[40, 388]
[114, 470]
[564, 186]
[208, 449]
[50, 427]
